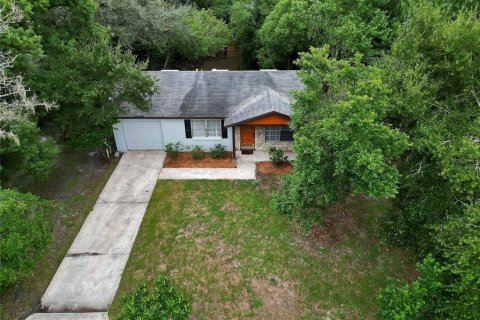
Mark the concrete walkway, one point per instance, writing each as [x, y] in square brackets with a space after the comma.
[243, 171]
[86, 281]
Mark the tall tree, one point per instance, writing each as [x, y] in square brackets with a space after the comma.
[77, 68]
[160, 30]
[342, 139]
[347, 26]
[20, 138]
[247, 16]
[432, 72]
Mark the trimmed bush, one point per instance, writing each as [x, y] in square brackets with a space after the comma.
[277, 156]
[173, 149]
[198, 153]
[163, 302]
[25, 233]
[218, 151]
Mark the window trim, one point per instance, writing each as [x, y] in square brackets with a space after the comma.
[218, 129]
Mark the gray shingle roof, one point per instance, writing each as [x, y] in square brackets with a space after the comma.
[220, 94]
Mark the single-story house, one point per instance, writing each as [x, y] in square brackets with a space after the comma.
[243, 110]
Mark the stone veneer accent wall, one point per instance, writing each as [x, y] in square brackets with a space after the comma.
[260, 143]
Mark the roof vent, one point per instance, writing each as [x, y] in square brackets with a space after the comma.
[219, 69]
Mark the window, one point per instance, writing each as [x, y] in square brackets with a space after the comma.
[272, 133]
[210, 128]
[278, 133]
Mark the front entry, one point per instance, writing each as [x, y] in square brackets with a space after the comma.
[247, 137]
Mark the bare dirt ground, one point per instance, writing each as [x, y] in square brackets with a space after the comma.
[267, 167]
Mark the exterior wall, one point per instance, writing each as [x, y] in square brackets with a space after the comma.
[260, 143]
[174, 131]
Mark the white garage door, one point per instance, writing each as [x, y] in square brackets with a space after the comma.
[143, 134]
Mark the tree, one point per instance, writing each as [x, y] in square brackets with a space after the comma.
[15, 102]
[246, 18]
[342, 140]
[207, 35]
[19, 136]
[432, 75]
[92, 84]
[26, 234]
[220, 8]
[160, 30]
[347, 26]
[90, 81]
[34, 154]
[458, 241]
[284, 33]
[413, 301]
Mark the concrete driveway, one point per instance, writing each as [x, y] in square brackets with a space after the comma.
[90, 273]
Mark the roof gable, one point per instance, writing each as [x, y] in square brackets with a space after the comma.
[269, 101]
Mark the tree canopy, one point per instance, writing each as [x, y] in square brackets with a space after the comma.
[404, 125]
[348, 27]
[159, 30]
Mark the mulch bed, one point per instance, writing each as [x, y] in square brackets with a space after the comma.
[185, 160]
[267, 167]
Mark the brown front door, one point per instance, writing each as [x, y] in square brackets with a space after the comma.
[247, 135]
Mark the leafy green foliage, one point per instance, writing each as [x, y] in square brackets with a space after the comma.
[220, 8]
[162, 302]
[172, 149]
[198, 153]
[277, 156]
[399, 301]
[78, 69]
[159, 30]
[342, 140]
[347, 26]
[459, 241]
[91, 84]
[434, 95]
[25, 234]
[35, 153]
[206, 35]
[246, 18]
[218, 151]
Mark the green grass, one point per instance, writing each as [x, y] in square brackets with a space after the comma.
[74, 186]
[234, 258]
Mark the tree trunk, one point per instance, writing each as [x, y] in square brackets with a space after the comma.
[166, 61]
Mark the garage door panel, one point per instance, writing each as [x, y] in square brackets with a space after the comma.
[143, 135]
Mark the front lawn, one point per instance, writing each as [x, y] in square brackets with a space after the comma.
[234, 258]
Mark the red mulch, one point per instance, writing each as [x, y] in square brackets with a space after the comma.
[267, 167]
[185, 160]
